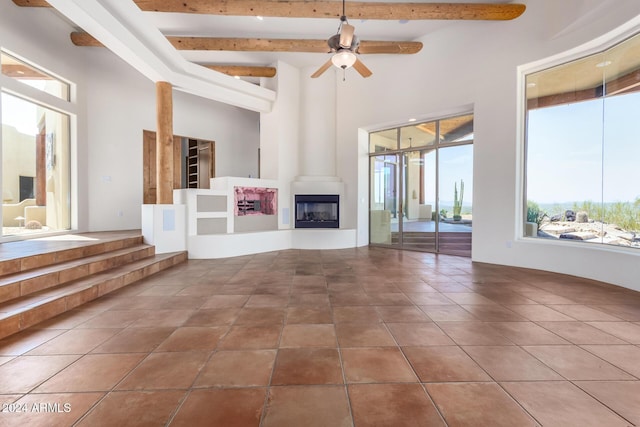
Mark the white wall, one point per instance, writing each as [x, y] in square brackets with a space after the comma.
[114, 104]
[120, 104]
[475, 64]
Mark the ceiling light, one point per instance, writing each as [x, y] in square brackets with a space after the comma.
[344, 59]
[412, 119]
[603, 64]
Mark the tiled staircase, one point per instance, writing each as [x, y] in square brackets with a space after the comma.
[38, 286]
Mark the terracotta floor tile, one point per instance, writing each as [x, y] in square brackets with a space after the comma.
[163, 290]
[134, 409]
[162, 318]
[309, 300]
[392, 405]
[418, 334]
[45, 410]
[575, 363]
[309, 406]
[75, 341]
[240, 329]
[307, 366]
[349, 299]
[376, 365]
[562, 404]
[493, 313]
[444, 364]
[93, 372]
[161, 371]
[473, 333]
[428, 298]
[626, 331]
[584, 313]
[117, 319]
[250, 337]
[23, 373]
[221, 407]
[625, 357]
[204, 290]
[67, 320]
[298, 315]
[401, 314]
[134, 340]
[391, 299]
[623, 397]
[194, 338]
[268, 301]
[419, 287]
[477, 404]
[248, 368]
[471, 298]
[510, 363]
[363, 335]
[580, 333]
[25, 341]
[308, 336]
[446, 313]
[527, 333]
[630, 313]
[360, 314]
[225, 301]
[213, 317]
[182, 303]
[261, 316]
[539, 313]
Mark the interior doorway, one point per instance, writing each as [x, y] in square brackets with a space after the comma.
[193, 163]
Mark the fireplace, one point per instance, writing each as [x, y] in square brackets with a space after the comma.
[317, 211]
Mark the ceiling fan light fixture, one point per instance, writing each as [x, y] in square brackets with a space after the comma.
[343, 59]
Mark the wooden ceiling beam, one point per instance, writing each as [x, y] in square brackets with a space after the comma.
[267, 45]
[243, 70]
[328, 9]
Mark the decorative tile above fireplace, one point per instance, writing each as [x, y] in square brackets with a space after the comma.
[317, 211]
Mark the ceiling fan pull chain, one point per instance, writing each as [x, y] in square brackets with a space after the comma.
[344, 74]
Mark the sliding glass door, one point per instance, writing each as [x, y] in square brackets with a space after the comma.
[421, 186]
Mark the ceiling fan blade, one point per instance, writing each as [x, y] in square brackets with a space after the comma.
[362, 69]
[346, 35]
[322, 69]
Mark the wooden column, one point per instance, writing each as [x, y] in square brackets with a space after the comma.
[164, 143]
[41, 168]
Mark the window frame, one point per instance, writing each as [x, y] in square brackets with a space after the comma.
[596, 46]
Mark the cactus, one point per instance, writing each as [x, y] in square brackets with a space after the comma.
[457, 202]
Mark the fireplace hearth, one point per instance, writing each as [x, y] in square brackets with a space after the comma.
[317, 211]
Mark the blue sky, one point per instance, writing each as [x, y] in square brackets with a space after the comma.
[567, 160]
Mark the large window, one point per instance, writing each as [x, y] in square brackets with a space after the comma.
[583, 148]
[36, 187]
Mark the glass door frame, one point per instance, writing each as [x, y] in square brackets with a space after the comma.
[400, 154]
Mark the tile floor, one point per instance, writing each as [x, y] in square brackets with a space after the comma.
[360, 337]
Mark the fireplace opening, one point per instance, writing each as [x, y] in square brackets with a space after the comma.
[317, 211]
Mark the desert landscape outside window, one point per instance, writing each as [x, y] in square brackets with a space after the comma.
[582, 181]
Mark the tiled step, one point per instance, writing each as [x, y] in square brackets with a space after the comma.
[43, 253]
[37, 279]
[23, 312]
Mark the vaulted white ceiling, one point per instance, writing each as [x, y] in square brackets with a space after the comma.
[139, 38]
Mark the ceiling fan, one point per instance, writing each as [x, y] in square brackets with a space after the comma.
[344, 46]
